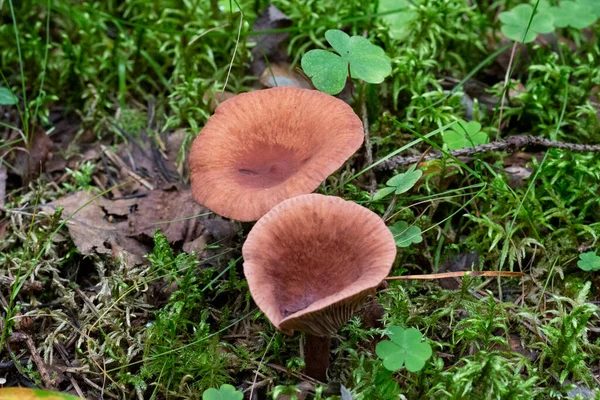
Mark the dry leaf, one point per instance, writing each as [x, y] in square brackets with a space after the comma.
[284, 75]
[125, 227]
[268, 45]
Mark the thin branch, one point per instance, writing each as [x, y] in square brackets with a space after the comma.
[510, 145]
[458, 274]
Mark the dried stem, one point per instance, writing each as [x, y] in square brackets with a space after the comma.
[458, 274]
[510, 144]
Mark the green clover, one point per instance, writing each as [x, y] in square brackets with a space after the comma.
[405, 235]
[329, 71]
[589, 261]
[575, 14]
[400, 183]
[398, 16]
[464, 134]
[515, 23]
[405, 348]
[593, 4]
[7, 98]
[225, 392]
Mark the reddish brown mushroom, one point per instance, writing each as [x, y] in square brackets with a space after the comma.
[263, 147]
[311, 261]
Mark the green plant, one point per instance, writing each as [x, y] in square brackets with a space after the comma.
[406, 348]
[399, 16]
[464, 134]
[356, 56]
[225, 392]
[518, 24]
[576, 14]
[7, 98]
[589, 261]
[405, 235]
[400, 183]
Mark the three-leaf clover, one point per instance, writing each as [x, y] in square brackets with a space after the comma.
[405, 348]
[225, 392]
[363, 59]
[571, 13]
[515, 23]
[589, 261]
[400, 183]
[593, 4]
[405, 235]
[398, 14]
[7, 98]
[464, 134]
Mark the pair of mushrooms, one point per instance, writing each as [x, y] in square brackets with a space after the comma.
[310, 260]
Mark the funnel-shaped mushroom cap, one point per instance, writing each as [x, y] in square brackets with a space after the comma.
[263, 147]
[312, 260]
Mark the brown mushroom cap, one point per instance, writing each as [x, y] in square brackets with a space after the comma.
[312, 260]
[263, 147]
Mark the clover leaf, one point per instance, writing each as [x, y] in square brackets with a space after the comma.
[329, 71]
[397, 15]
[405, 235]
[593, 4]
[589, 261]
[515, 23]
[405, 348]
[575, 14]
[7, 98]
[225, 392]
[464, 134]
[400, 183]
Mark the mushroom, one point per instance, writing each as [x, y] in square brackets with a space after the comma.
[310, 262]
[263, 147]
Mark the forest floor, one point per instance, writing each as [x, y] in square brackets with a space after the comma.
[115, 284]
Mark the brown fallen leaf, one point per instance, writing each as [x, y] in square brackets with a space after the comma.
[268, 45]
[284, 75]
[29, 163]
[124, 228]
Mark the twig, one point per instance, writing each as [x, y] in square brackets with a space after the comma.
[510, 145]
[457, 274]
[63, 353]
[115, 159]
[28, 286]
[18, 337]
[372, 185]
[506, 78]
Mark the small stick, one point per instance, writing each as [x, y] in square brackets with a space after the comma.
[510, 145]
[44, 374]
[368, 148]
[458, 274]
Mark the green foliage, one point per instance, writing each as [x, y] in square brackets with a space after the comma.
[182, 321]
[464, 134]
[405, 235]
[567, 346]
[589, 261]
[400, 183]
[518, 25]
[7, 98]
[357, 55]
[405, 349]
[575, 14]
[82, 177]
[400, 15]
[225, 392]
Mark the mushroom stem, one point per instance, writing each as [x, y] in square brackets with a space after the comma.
[316, 356]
